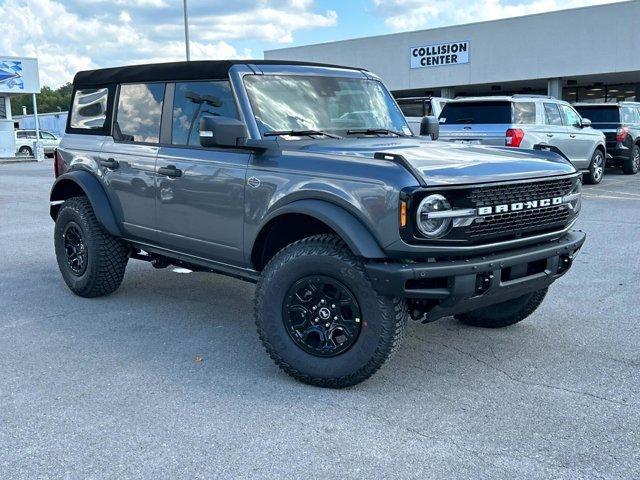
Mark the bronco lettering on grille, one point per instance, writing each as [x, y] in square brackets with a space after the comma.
[515, 207]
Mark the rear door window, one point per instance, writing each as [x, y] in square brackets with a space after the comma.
[192, 101]
[89, 109]
[524, 113]
[464, 113]
[600, 114]
[552, 113]
[139, 112]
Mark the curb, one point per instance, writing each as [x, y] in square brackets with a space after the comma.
[17, 160]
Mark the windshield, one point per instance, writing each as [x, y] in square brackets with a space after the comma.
[328, 104]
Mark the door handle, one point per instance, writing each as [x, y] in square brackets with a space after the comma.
[573, 135]
[549, 135]
[110, 163]
[170, 171]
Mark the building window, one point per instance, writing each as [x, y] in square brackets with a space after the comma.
[194, 100]
[139, 112]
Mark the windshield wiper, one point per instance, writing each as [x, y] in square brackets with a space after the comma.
[374, 131]
[299, 133]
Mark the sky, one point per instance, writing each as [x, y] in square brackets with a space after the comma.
[72, 35]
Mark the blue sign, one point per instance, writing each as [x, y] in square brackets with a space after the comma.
[11, 75]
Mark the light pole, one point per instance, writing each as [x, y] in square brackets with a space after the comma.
[186, 30]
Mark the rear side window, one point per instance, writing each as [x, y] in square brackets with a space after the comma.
[475, 112]
[89, 109]
[22, 135]
[552, 113]
[628, 115]
[600, 114]
[192, 101]
[412, 108]
[139, 112]
[524, 113]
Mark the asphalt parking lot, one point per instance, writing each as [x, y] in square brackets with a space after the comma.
[166, 378]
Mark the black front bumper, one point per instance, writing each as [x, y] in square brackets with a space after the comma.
[462, 285]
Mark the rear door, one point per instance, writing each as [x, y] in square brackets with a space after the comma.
[200, 198]
[556, 134]
[128, 158]
[475, 122]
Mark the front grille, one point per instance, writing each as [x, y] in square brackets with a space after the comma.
[523, 222]
[518, 222]
[520, 192]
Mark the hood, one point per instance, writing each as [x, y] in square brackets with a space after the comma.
[443, 163]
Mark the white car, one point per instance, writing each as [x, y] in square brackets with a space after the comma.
[26, 139]
[416, 108]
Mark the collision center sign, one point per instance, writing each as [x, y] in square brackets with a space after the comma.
[453, 53]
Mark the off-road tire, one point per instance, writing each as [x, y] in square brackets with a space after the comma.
[106, 257]
[383, 318]
[504, 314]
[593, 176]
[631, 165]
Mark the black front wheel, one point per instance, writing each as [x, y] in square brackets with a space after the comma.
[631, 165]
[320, 319]
[92, 261]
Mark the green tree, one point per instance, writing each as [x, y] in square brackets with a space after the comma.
[49, 100]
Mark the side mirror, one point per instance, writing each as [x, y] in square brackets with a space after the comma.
[430, 126]
[586, 123]
[222, 132]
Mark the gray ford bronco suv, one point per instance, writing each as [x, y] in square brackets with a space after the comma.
[306, 180]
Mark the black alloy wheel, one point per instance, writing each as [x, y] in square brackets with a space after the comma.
[322, 316]
[75, 249]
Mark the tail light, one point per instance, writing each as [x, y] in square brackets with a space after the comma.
[514, 137]
[59, 167]
[621, 134]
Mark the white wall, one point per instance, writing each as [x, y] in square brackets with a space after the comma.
[583, 41]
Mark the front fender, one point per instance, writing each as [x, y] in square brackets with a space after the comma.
[357, 237]
[80, 182]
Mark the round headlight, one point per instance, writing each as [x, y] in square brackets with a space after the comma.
[432, 226]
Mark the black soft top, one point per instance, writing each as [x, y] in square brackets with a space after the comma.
[158, 72]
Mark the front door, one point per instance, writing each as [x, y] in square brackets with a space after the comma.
[580, 143]
[200, 194]
[128, 161]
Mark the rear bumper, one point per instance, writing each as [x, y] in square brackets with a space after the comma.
[617, 151]
[459, 286]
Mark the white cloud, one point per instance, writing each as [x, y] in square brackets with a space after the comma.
[403, 15]
[72, 35]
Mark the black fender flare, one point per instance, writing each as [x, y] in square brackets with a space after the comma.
[352, 231]
[67, 185]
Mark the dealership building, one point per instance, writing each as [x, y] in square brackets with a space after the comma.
[582, 54]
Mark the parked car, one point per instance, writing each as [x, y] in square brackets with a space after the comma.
[620, 122]
[416, 108]
[26, 140]
[527, 121]
[246, 168]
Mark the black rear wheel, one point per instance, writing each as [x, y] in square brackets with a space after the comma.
[320, 319]
[631, 165]
[92, 262]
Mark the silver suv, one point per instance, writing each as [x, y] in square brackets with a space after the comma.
[527, 121]
[26, 142]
